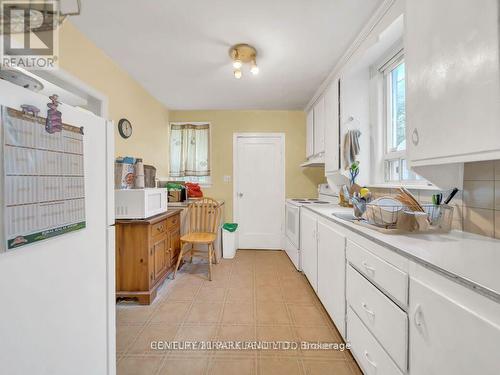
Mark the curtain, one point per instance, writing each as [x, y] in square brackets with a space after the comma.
[189, 150]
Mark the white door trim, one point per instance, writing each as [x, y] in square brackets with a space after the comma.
[281, 137]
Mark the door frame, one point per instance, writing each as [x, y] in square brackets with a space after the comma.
[281, 137]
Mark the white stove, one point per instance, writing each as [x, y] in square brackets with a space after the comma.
[326, 196]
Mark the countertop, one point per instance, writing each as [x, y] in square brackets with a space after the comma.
[151, 220]
[185, 203]
[469, 259]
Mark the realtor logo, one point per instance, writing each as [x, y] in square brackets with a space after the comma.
[29, 33]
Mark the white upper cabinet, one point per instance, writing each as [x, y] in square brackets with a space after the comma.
[319, 126]
[332, 128]
[453, 81]
[310, 134]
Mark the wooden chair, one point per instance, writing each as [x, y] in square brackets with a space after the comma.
[204, 223]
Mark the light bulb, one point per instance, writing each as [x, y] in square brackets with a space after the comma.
[237, 64]
[237, 73]
[254, 69]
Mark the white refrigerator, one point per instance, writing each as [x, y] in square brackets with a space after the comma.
[57, 310]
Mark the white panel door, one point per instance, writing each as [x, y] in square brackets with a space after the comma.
[319, 126]
[453, 80]
[332, 128]
[448, 338]
[309, 246]
[331, 272]
[310, 134]
[259, 190]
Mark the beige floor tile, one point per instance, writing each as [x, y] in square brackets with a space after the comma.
[267, 280]
[138, 365]
[194, 333]
[205, 312]
[322, 335]
[279, 366]
[187, 366]
[226, 366]
[153, 332]
[272, 313]
[316, 367]
[307, 315]
[182, 292]
[269, 293]
[277, 334]
[355, 368]
[171, 312]
[236, 332]
[240, 295]
[241, 281]
[238, 313]
[298, 293]
[125, 335]
[140, 314]
[212, 294]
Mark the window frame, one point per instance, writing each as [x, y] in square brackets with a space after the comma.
[206, 181]
[389, 155]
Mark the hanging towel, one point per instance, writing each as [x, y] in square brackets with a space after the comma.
[351, 147]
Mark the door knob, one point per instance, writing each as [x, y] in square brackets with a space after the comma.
[240, 195]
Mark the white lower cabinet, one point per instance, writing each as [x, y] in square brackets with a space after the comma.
[371, 357]
[309, 246]
[331, 271]
[449, 337]
[383, 318]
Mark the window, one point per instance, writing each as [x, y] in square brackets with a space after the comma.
[190, 152]
[395, 165]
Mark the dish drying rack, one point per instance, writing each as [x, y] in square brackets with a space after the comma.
[404, 219]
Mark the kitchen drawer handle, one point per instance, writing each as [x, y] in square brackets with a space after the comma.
[365, 307]
[370, 361]
[367, 267]
[416, 316]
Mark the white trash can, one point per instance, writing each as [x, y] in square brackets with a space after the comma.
[229, 241]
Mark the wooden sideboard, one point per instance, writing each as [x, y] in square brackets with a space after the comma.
[146, 253]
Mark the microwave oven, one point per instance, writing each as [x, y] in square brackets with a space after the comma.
[140, 203]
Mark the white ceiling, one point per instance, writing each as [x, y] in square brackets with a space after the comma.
[178, 49]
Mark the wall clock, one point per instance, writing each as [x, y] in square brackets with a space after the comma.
[125, 128]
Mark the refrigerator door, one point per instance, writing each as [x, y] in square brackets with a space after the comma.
[110, 173]
[65, 323]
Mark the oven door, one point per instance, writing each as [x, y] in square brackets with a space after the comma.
[292, 224]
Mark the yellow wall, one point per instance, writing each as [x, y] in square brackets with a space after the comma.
[300, 182]
[127, 98]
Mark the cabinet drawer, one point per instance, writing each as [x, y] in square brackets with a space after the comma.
[387, 322]
[173, 221]
[159, 228]
[370, 356]
[392, 280]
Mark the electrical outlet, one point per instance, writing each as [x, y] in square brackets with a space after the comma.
[227, 178]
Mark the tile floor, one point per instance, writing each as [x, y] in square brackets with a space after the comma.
[258, 295]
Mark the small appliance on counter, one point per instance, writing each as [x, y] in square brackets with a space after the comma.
[140, 203]
[176, 191]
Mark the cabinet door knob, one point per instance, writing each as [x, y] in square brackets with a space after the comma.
[415, 138]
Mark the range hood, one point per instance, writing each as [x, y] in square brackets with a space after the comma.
[315, 161]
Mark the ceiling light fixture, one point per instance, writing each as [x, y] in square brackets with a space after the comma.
[243, 54]
[254, 69]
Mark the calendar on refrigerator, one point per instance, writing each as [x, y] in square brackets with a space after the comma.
[44, 182]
